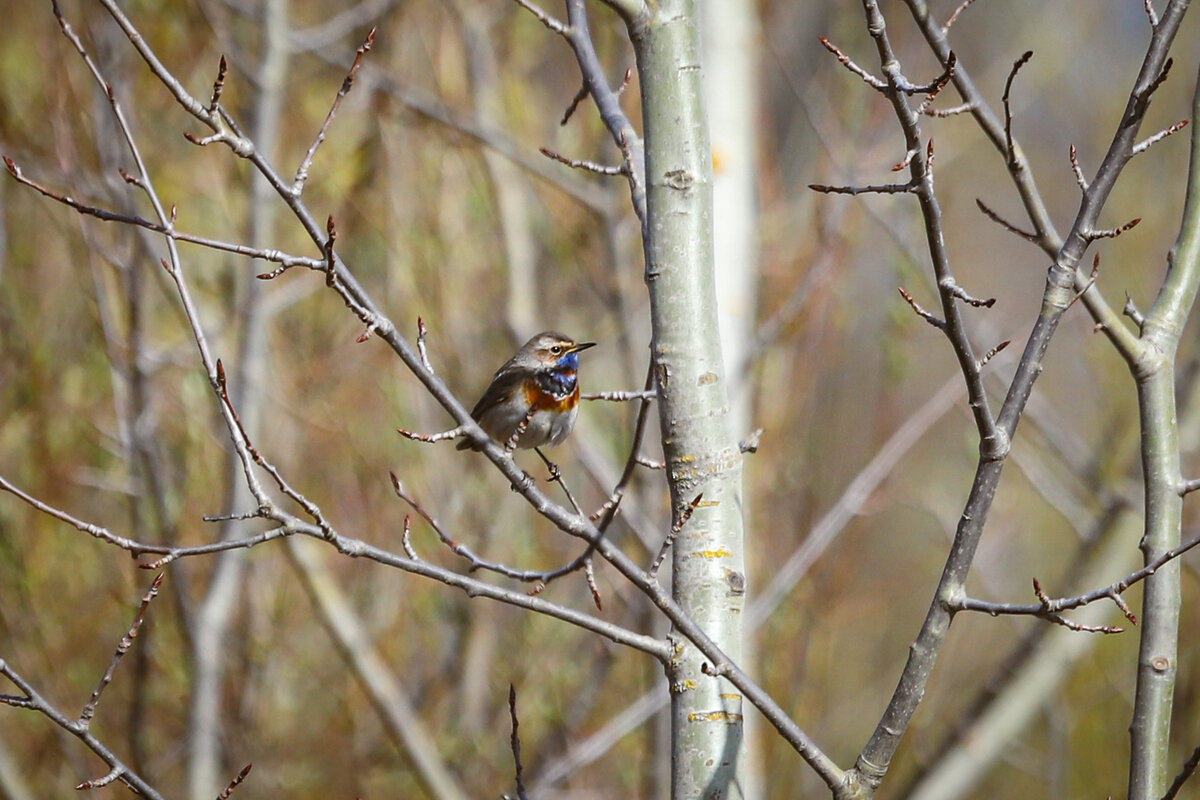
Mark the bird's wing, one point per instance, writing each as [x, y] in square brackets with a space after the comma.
[500, 391]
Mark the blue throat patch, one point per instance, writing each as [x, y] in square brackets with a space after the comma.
[559, 381]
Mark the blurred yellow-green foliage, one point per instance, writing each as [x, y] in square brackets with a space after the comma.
[85, 307]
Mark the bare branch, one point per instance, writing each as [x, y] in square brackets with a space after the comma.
[1048, 607]
[887, 188]
[1150, 13]
[327, 248]
[620, 397]
[1091, 280]
[1131, 310]
[938, 85]
[1010, 153]
[579, 97]
[954, 17]
[904, 162]
[89, 710]
[1008, 226]
[218, 86]
[1075, 168]
[1160, 79]
[671, 536]
[936, 322]
[1189, 766]
[1112, 233]
[607, 101]
[955, 290]
[550, 22]
[347, 83]
[590, 166]
[431, 438]
[476, 562]
[423, 332]
[990, 354]
[589, 574]
[1070, 624]
[515, 742]
[557, 477]
[964, 108]
[233, 784]
[285, 260]
[1145, 144]
[98, 783]
[30, 699]
[875, 83]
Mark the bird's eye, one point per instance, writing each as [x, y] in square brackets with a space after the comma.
[556, 349]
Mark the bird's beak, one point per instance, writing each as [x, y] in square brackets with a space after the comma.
[582, 346]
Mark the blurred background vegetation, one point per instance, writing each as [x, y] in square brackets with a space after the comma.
[410, 173]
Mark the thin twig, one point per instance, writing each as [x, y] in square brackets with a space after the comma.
[887, 188]
[233, 784]
[327, 249]
[556, 477]
[1112, 233]
[347, 84]
[875, 83]
[31, 700]
[684, 515]
[1131, 310]
[422, 333]
[1008, 226]
[243, 439]
[579, 97]
[962, 108]
[1078, 170]
[547, 20]
[1189, 766]
[1153, 16]
[89, 710]
[590, 166]
[96, 531]
[608, 103]
[515, 742]
[100, 783]
[621, 396]
[430, 438]
[955, 290]
[1091, 280]
[218, 85]
[990, 354]
[1010, 155]
[1146, 143]
[935, 321]
[938, 85]
[286, 260]
[475, 561]
[904, 162]
[954, 17]
[1054, 606]
[589, 574]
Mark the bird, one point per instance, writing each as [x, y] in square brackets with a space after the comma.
[540, 382]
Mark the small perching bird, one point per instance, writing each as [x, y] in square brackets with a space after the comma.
[541, 383]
